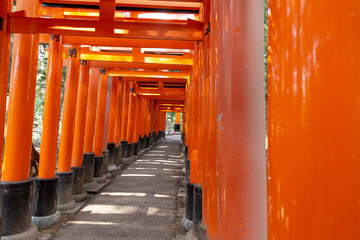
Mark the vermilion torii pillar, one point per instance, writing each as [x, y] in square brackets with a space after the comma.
[118, 122]
[100, 158]
[16, 187]
[131, 120]
[136, 134]
[241, 120]
[148, 122]
[313, 123]
[124, 117]
[89, 155]
[64, 172]
[5, 8]
[143, 122]
[112, 120]
[78, 144]
[212, 226]
[45, 211]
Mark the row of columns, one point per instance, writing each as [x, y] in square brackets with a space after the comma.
[301, 183]
[99, 129]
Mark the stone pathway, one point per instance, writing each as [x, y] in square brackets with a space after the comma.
[140, 203]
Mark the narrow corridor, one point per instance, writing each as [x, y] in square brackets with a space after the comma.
[139, 203]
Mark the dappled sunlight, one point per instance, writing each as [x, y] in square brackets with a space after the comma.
[93, 223]
[143, 163]
[154, 155]
[154, 211]
[163, 196]
[123, 194]
[110, 209]
[137, 175]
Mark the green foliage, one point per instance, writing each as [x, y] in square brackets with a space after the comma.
[40, 94]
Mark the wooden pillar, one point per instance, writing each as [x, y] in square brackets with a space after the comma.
[91, 110]
[148, 118]
[5, 8]
[131, 114]
[118, 118]
[80, 117]
[143, 117]
[50, 129]
[194, 150]
[137, 119]
[16, 188]
[125, 111]
[241, 120]
[212, 226]
[313, 120]
[100, 113]
[113, 105]
[21, 99]
[69, 109]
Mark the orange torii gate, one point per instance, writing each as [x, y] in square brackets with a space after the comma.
[298, 189]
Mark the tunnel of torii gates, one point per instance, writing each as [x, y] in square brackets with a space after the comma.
[205, 60]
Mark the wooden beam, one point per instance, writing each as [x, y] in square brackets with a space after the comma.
[192, 31]
[122, 42]
[142, 4]
[133, 65]
[153, 79]
[147, 74]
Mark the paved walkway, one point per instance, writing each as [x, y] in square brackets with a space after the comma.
[140, 203]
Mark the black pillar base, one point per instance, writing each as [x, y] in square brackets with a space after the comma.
[99, 169]
[202, 231]
[45, 197]
[105, 154]
[148, 141]
[136, 145]
[143, 140]
[65, 186]
[45, 212]
[16, 207]
[186, 152]
[197, 210]
[130, 150]
[78, 193]
[124, 149]
[89, 165]
[120, 154]
[189, 204]
[139, 144]
[187, 169]
[111, 148]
